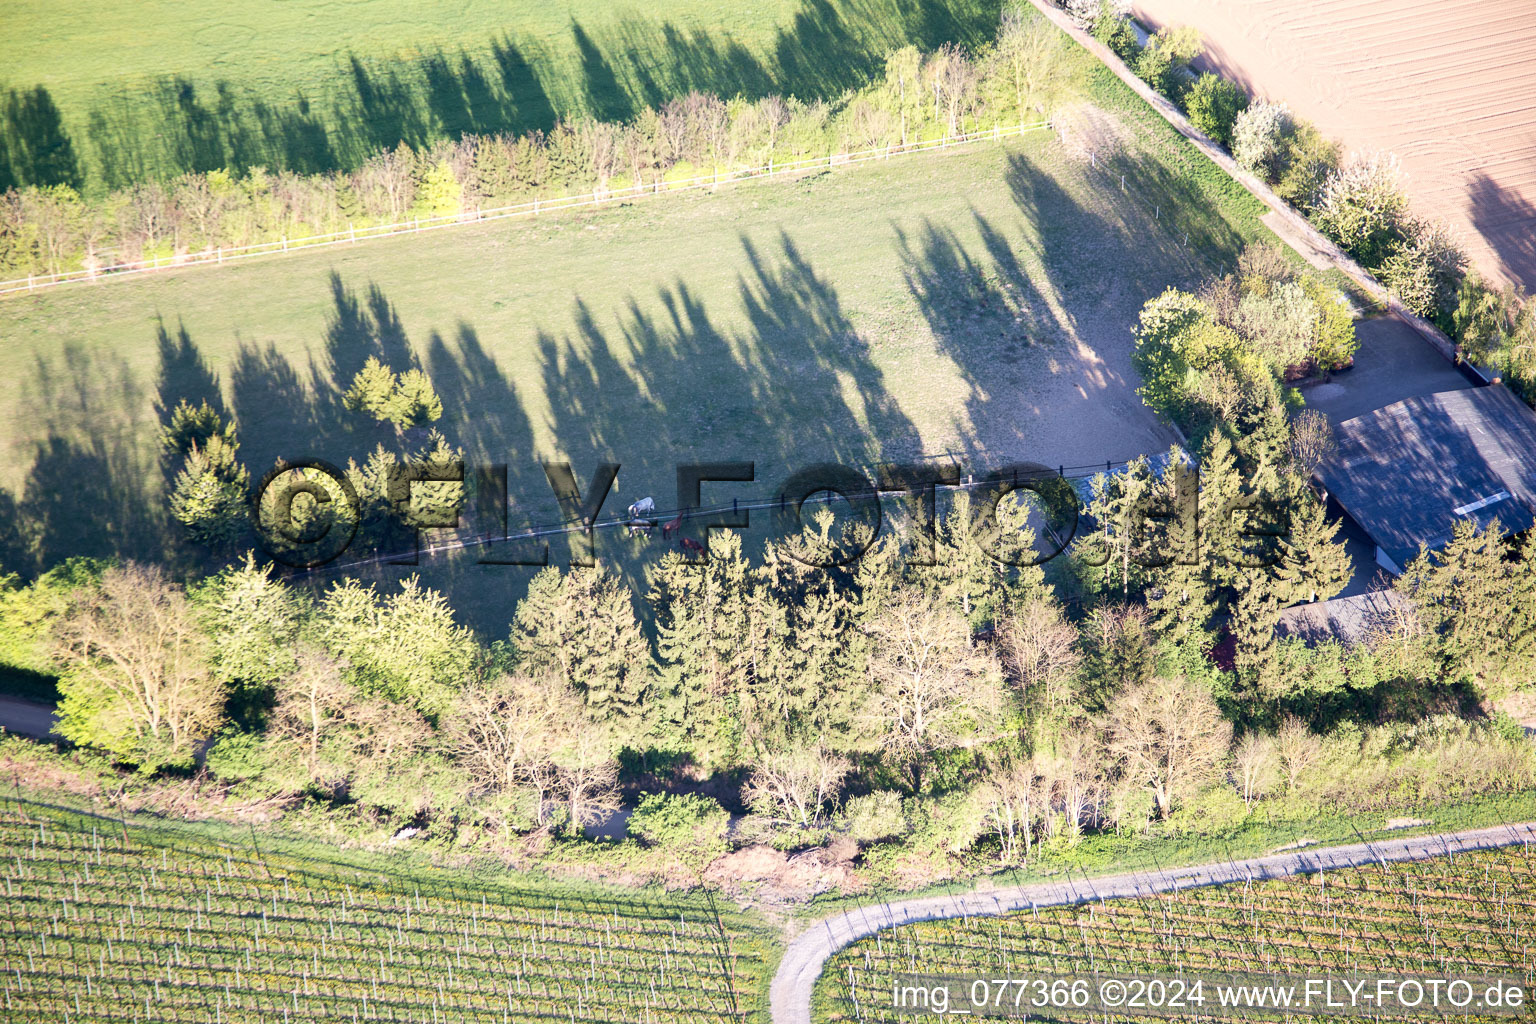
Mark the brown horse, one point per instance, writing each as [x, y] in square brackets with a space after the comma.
[689, 544]
[668, 529]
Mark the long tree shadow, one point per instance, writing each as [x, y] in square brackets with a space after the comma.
[795, 387]
[610, 71]
[87, 491]
[1036, 313]
[650, 385]
[35, 148]
[1507, 222]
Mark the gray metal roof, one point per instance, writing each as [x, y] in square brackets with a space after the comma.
[1350, 620]
[1407, 472]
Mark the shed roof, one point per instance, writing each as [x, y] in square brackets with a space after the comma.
[1408, 471]
[1347, 619]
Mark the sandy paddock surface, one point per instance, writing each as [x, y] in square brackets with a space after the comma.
[1447, 85]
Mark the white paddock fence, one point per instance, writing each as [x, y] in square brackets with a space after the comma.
[532, 208]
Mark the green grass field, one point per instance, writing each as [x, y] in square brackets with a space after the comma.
[112, 922]
[1468, 915]
[106, 94]
[976, 301]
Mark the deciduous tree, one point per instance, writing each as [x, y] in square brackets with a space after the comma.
[138, 679]
[1169, 736]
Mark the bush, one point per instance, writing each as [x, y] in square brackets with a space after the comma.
[1112, 28]
[1162, 61]
[690, 827]
[1498, 329]
[1363, 209]
[876, 816]
[1334, 343]
[1213, 104]
[1307, 160]
[1258, 138]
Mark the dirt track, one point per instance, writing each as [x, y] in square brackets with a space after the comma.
[803, 961]
[1447, 85]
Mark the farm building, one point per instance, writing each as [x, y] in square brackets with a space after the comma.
[1407, 472]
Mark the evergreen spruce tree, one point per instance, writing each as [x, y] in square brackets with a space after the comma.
[1181, 601]
[1314, 566]
[580, 626]
[817, 678]
[192, 427]
[256, 619]
[208, 495]
[1254, 618]
[414, 402]
[372, 390]
[1475, 596]
[1112, 545]
[701, 613]
[1222, 495]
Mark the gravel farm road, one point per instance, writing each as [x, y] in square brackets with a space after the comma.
[790, 995]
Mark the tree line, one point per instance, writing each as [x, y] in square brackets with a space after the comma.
[1019, 77]
[933, 710]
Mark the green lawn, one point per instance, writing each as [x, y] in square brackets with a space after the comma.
[976, 301]
[107, 93]
[213, 924]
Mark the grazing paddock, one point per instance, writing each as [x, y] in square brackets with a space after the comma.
[974, 302]
[1444, 84]
[106, 93]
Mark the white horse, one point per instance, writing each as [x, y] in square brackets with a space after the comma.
[643, 507]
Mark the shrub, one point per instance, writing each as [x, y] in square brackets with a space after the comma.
[1090, 14]
[1363, 209]
[1498, 329]
[1213, 104]
[1258, 138]
[1307, 160]
[1334, 344]
[690, 827]
[1112, 28]
[1162, 61]
[1279, 324]
[876, 816]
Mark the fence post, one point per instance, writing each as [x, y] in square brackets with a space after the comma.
[352, 232]
[29, 282]
[285, 243]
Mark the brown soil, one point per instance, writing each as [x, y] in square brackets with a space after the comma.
[1447, 85]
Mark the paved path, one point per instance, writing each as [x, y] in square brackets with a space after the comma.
[790, 995]
[26, 718]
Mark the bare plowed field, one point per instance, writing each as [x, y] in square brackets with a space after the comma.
[1447, 85]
